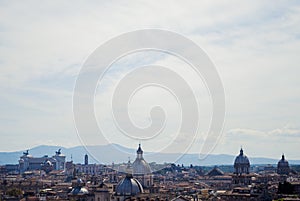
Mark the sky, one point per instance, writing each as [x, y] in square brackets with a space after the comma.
[254, 45]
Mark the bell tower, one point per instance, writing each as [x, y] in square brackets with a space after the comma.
[86, 159]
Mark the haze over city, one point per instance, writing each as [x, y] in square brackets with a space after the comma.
[254, 45]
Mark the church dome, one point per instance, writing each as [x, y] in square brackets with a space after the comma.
[241, 163]
[140, 166]
[283, 162]
[79, 189]
[129, 186]
[241, 159]
[283, 166]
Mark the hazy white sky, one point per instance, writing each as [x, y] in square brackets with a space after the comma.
[255, 46]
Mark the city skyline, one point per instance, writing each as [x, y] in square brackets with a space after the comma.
[255, 49]
[78, 154]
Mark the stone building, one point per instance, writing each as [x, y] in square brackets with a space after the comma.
[86, 168]
[27, 162]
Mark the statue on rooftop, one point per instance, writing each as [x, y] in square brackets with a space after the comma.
[58, 152]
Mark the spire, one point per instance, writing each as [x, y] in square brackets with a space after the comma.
[241, 151]
[86, 159]
[139, 152]
[282, 157]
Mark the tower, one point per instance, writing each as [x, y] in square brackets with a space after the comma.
[139, 152]
[86, 159]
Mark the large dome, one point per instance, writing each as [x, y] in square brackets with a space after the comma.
[283, 162]
[283, 166]
[241, 159]
[129, 186]
[140, 166]
[241, 163]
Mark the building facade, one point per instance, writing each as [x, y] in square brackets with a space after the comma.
[28, 163]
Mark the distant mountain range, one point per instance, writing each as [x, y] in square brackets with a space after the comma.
[106, 154]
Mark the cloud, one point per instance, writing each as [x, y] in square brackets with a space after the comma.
[255, 48]
[276, 133]
[267, 143]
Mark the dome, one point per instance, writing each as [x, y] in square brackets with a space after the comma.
[129, 186]
[283, 166]
[283, 162]
[241, 159]
[140, 166]
[79, 190]
[241, 163]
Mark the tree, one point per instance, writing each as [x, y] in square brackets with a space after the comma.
[15, 192]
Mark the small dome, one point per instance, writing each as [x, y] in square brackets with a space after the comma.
[79, 190]
[129, 186]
